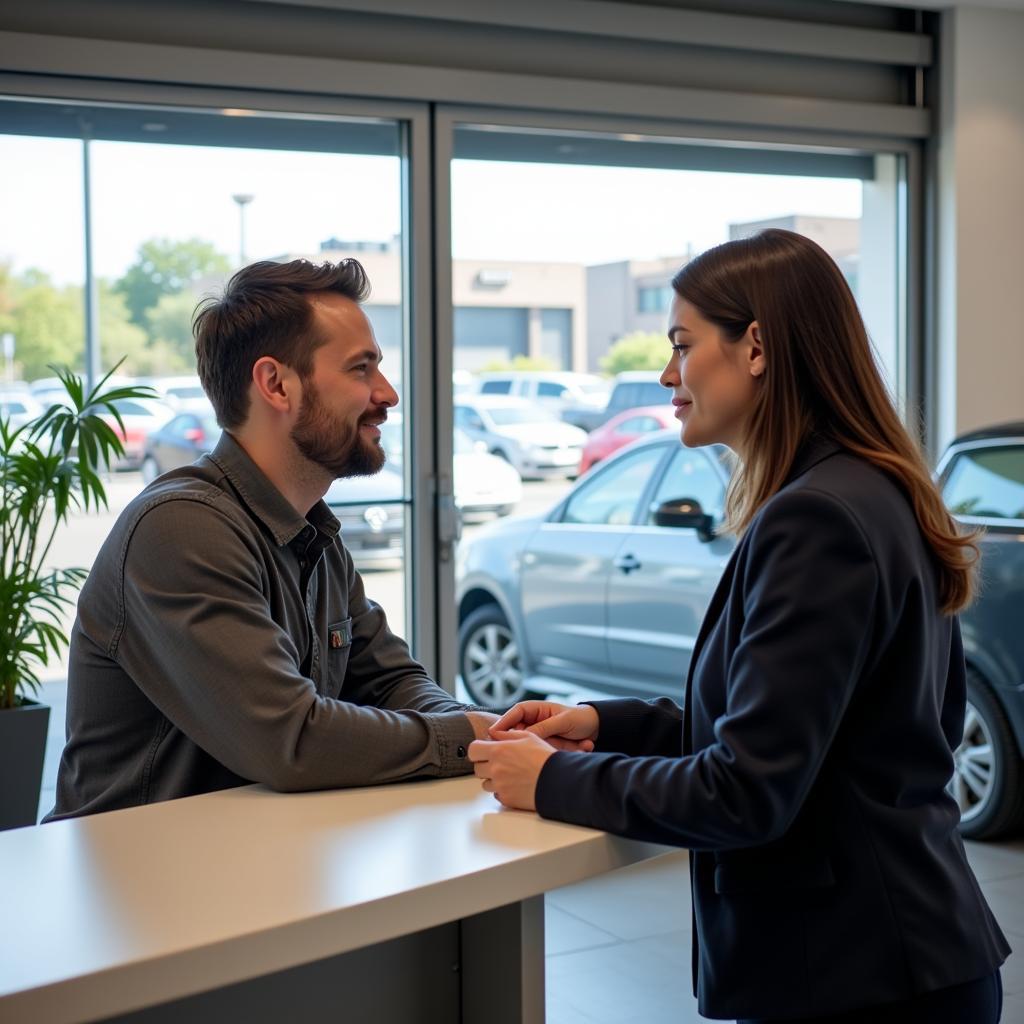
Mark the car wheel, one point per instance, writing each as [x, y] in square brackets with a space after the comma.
[986, 779]
[150, 470]
[489, 659]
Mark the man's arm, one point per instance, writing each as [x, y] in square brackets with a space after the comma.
[198, 638]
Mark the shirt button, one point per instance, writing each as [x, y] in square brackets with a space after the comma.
[461, 752]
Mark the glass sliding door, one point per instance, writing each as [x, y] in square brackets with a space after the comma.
[563, 244]
[180, 198]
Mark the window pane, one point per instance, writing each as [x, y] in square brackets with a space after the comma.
[690, 475]
[612, 496]
[988, 482]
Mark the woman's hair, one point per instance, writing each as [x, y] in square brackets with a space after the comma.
[820, 377]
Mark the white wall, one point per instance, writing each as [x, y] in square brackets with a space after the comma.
[980, 207]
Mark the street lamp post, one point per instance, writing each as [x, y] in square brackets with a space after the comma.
[243, 199]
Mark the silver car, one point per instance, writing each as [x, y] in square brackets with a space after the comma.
[533, 439]
[605, 593]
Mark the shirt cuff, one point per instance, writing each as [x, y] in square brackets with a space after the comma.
[454, 734]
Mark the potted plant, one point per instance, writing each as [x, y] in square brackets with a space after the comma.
[48, 467]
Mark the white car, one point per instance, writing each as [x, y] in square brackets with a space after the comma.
[19, 407]
[181, 393]
[532, 439]
[561, 391]
[482, 482]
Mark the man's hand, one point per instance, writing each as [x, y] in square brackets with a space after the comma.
[481, 721]
[565, 728]
[509, 767]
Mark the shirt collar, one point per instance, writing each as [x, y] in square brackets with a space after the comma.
[265, 501]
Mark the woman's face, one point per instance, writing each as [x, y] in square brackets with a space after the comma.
[714, 381]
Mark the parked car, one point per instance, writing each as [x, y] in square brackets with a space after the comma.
[19, 406]
[630, 390]
[531, 438]
[179, 392]
[179, 442]
[982, 479]
[561, 391]
[605, 592]
[597, 596]
[623, 429]
[372, 516]
[140, 416]
[483, 483]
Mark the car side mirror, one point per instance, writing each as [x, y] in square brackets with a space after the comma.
[685, 514]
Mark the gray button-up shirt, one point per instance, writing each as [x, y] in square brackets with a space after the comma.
[222, 638]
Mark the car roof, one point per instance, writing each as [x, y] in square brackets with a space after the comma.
[1000, 430]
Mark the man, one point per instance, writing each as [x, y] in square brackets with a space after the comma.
[223, 635]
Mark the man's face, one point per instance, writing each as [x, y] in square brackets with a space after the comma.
[345, 397]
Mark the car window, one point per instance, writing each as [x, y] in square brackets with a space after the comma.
[13, 408]
[549, 389]
[690, 475]
[987, 482]
[126, 407]
[495, 387]
[638, 425]
[611, 497]
[651, 392]
[507, 416]
[178, 426]
[467, 418]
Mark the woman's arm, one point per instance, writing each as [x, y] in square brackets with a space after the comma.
[809, 593]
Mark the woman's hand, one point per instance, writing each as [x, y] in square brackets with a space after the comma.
[565, 728]
[509, 767]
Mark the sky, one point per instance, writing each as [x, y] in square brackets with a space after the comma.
[515, 211]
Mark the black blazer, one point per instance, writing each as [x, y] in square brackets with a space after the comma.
[825, 696]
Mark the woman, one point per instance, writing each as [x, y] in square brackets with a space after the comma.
[826, 690]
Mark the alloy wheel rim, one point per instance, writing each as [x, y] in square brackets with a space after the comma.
[973, 767]
[491, 668]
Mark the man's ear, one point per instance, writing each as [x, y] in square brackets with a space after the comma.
[755, 352]
[275, 385]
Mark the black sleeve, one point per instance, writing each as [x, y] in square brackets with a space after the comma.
[808, 598]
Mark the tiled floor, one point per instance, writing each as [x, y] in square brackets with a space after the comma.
[619, 946]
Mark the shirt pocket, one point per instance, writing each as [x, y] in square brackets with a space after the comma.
[339, 646]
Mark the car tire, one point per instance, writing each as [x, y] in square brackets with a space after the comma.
[489, 659]
[150, 470]
[987, 780]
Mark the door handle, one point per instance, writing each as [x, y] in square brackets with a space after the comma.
[627, 563]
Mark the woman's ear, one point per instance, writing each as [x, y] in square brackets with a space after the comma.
[755, 350]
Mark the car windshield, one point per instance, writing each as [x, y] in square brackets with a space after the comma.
[505, 416]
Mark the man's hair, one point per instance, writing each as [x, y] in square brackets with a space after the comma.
[265, 311]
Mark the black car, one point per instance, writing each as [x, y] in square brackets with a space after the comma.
[982, 479]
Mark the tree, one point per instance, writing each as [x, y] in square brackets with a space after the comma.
[121, 339]
[47, 323]
[641, 350]
[170, 326]
[167, 267]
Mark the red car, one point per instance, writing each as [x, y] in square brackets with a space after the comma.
[621, 429]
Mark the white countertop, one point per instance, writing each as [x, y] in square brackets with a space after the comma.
[109, 913]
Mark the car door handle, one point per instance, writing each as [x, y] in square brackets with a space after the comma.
[627, 563]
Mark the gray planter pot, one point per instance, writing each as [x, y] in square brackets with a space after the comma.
[22, 749]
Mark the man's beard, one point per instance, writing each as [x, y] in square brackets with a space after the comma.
[331, 443]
